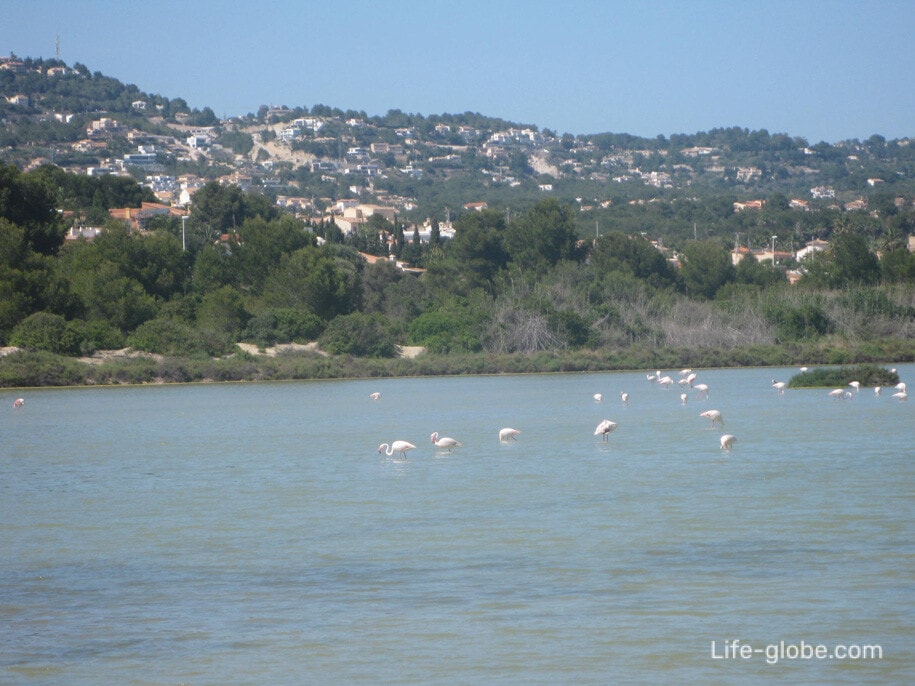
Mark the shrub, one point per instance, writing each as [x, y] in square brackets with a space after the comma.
[360, 335]
[284, 325]
[167, 337]
[39, 369]
[98, 335]
[446, 331]
[49, 332]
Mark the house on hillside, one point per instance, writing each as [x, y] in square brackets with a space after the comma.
[137, 217]
[749, 205]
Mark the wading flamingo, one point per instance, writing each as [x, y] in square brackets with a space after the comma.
[779, 386]
[714, 416]
[400, 447]
[727, 441]
[604, 428]
[375, 395]
[598, 397]
[508, 434]
[445, 442]
[18, 402]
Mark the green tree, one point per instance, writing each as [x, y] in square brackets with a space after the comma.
[28, 201]
[47, 331]
[898, 266]
[360, 335]
[312, 279]
[223, 312]
[706, 267]
[848, 261]
[633, 255]
[455, 327]
[477, 252]
[543, 236]
[222, 209]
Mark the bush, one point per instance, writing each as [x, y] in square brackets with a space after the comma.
[360, 335]
[49, 332]
[446, 331]
[795, 322]
[167, 337]
[98, 335]
[839, 377]
[283, 325]
[41, 368]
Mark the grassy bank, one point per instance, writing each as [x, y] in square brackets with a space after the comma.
[35, 369]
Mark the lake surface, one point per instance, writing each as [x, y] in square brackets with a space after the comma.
[252, 534]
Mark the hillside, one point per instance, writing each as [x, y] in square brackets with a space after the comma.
[433, 166]
[337, 240]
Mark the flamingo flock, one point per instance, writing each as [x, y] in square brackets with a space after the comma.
[688, 380]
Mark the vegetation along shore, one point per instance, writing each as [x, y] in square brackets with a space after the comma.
[130, 222]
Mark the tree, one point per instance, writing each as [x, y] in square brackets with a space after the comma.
[543, 236]
[706, 267]
[222, 209]
[360, 335]
[848, 261]
[898, 266]
[28, 201]
[312, 279]
[46, 331]
[476, 254]
[633, 255]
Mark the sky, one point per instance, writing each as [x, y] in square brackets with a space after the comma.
[822, 70]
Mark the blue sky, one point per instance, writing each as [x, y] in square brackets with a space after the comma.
[826, 70]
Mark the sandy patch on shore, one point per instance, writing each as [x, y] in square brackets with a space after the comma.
[272, 351]
[102, 356]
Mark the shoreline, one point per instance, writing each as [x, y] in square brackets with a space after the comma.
[300, 362]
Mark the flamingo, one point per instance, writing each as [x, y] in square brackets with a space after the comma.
[856, 385]
[665, 381]
[779, 386]
[18, 402]
[683, 397]
[400, 447]
[598, 397]
[877, 390]
[445, 442]
[701, 390]
[604, 428]
[375, 395]
[900, 386]
[836, 393]
[624, 396]
[690, 378]
[714, 416]
[684, 372]
[508, 434]
[901, 395]
[727, 441]
[803, 369]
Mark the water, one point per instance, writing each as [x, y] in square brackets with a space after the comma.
[251, 533]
